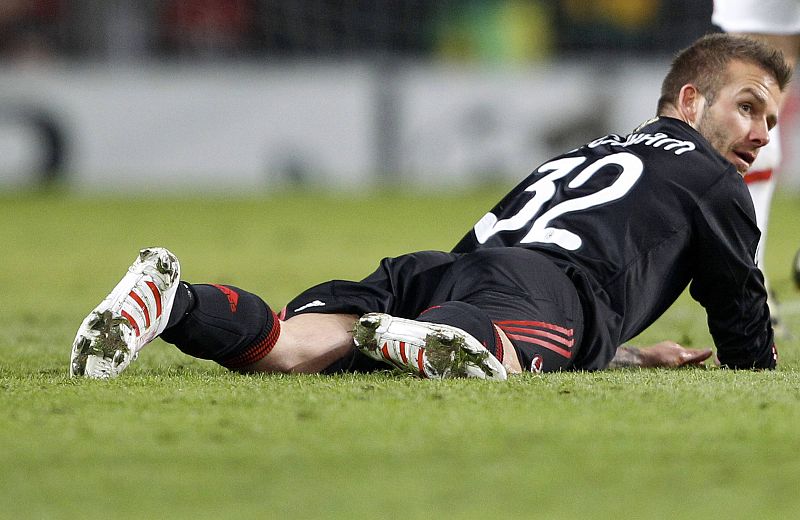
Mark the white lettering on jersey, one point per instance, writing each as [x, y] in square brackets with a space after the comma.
[658, 140]
[545, 188]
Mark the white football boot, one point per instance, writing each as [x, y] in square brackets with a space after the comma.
[429, 350]
[134, 314]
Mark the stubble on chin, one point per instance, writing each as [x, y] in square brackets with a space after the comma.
[715, 137]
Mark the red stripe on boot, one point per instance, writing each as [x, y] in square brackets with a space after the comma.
[131, 321]
[138, 300]
[157, 294]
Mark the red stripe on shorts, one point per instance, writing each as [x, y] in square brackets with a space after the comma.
[564, 341]
[549, 346]
[540, 324]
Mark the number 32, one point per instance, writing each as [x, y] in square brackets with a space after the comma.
[544, 189]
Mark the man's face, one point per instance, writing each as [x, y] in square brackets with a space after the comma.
[738, 120]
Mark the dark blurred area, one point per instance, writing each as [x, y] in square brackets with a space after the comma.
[457, 30]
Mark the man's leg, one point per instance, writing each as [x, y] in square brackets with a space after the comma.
[399, 290]
[506, 304]
[226, 324]
[309, 343]
[237, 329]
[247, 336]
[314, 331]
[451, 339]
[529, 300]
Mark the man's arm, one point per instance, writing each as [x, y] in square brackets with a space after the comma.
[666, 354]
[726, 280]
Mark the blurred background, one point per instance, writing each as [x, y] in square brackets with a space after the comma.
[241, 95]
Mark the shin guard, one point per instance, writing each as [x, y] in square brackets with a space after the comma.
[224, 324]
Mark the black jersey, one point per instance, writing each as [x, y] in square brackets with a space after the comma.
[632, 220]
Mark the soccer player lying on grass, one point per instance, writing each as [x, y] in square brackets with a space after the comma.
[580, 257]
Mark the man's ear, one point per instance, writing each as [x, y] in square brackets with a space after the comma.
[690, 104]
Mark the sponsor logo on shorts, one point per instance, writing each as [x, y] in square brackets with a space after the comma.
[315, 303]
[536, 364]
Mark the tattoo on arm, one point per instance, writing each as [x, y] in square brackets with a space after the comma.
[626, 356]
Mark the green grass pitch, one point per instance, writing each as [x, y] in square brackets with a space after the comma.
[179, 438]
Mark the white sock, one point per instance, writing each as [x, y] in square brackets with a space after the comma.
[760, 181]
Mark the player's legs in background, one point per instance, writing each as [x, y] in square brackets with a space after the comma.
[778, 24]
[762, 177]
[760, 180]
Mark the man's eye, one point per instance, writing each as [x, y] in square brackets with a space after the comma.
[746, 107]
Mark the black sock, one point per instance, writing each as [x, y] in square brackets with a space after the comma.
[222, 323]
[468, 318]
[182, 305]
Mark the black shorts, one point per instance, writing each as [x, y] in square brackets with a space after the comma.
[520, 290]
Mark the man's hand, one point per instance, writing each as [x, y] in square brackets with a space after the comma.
[666, 354]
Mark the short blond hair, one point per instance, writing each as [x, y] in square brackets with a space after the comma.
[704, 63]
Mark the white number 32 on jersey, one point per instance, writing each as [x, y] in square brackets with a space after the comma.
[544, 189]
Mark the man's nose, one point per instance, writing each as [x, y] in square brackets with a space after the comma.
[759, 134]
